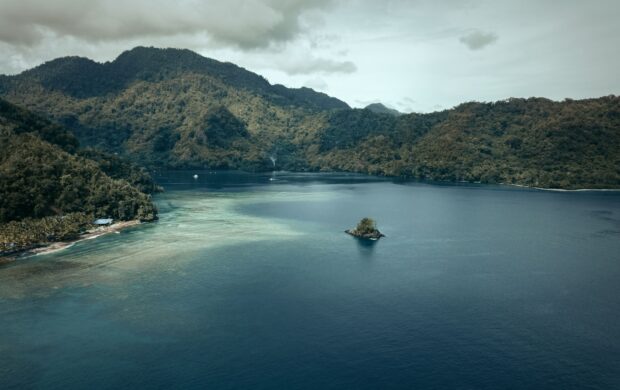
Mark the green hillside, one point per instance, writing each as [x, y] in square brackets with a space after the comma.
[41, 176]
[379, 108]
[534, 142]
[173, 108]
[159, 107]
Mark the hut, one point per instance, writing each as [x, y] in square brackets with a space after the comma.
[103, 221]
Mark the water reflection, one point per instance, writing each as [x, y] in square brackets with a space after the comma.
[366, 248]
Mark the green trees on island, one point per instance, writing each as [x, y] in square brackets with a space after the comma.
[365, 226]
[366, 229]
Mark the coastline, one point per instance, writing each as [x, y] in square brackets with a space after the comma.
[206, 171]
[563, 189]
[53, 247]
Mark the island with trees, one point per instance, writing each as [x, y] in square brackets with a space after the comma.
[366, 229]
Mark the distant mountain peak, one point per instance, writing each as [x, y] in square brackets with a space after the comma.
[81, 77]
[379, 108]
[153, 58]
[142, 50]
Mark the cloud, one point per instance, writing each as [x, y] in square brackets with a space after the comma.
[364, 103]
[247, 24]
[477, 40]
[399, 47]
[406, 105]
[315, 65]
[317, 84]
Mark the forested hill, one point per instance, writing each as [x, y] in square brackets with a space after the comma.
[81, 78]
[41, 175]
[176, 109]
[170, 107]
[533, 142]
[379, 108]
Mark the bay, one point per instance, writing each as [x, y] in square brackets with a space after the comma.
[248, 281]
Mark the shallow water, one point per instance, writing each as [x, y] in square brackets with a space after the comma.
[248, 282]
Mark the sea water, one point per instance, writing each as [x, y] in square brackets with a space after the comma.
[248, 281]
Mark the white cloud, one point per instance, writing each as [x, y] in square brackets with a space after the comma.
[363, 50]
[312, 65]
[317, 83]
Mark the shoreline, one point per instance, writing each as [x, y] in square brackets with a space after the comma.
[207, 171]
[57, 246]
[563, 189]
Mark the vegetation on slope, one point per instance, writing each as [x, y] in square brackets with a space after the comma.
[176, 109]
[29, 233]
[41, 179]
[83, 78]
[121, 169]
[38, 179]
[534, 142]
[17, 120]
[379, 108]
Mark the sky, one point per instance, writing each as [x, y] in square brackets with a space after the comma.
[415, 55]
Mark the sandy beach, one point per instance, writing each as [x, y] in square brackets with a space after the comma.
[60, 245]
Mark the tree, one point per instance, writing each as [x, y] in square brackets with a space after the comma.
[366, 225]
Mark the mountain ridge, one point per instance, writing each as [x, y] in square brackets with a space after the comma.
[380, 108]
[81, 77]
[187, 119]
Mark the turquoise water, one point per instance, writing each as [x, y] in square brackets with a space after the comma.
[248, 282]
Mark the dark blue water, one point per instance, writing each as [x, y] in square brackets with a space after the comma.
[248, 282]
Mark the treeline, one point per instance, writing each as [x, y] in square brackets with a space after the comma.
[534, 142]
[82, 78]
[176, 109]
[121, 169]
[16, 236]
[41, 177]
[161, 108]
[16, 120]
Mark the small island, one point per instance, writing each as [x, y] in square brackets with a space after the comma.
[366, 229]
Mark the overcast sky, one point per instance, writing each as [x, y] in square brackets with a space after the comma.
[416, 55]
